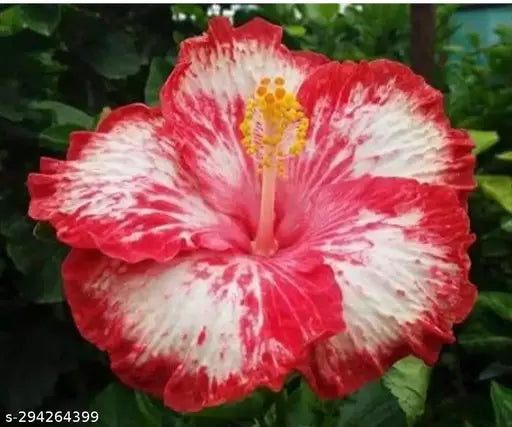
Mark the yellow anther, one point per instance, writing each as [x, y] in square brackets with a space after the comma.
[274, 126]
[269, 98]
[280, 93]
[262, 90]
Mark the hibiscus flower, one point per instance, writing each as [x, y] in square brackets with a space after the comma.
[280, 212]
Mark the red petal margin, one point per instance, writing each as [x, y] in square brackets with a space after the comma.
[204, 329]
[398, 250]
[204, 98]
[122, 190]
[379, 118]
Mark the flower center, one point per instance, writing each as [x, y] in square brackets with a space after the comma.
[273, 129]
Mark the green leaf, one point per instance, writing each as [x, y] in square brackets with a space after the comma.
[113, 56]
[502, 403]
[301, 406]
[497, 187]
[10, 21]
[64, 114]
[295, 30]
[507, 156]
[483, 140]
[39, 260]
[41, 19]
[506, 225]
[246, 409]
[408, 381]
[148, 409]
[158, 72]
[489, 344]
[42, 284]
[194, 11]
[57, 137]
[321, 13]
[118, 406]
[372, 406]
[499, 302]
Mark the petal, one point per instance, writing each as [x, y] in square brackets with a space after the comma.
[123, 191]
[205, 328]
[381, 119]
[205, 98]
[398, 252]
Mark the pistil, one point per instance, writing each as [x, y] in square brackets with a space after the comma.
[264, 243]
[273, 129]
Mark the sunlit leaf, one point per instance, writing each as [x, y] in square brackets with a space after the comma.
[408, 381]
[507, 156]
[321, 13]
[498, 187]
[295, 30]
[483, 140]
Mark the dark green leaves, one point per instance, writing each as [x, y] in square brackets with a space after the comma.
[373, 406]
[246, 409]
[303, 407]
[119, 406]
[113, 56]
[502, 403]
[38, 260]
[64, 114]
[11, 100]
[499, 302]
[159, 70]
[57, 137]
[40, 19]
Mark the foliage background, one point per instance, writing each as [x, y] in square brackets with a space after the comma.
[61, 65]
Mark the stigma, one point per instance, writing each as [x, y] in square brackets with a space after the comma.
[274, 125]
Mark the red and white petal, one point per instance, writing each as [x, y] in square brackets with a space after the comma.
[123, 191]
[203, 329]
[398, 250]
[205, 99]
[379, 118]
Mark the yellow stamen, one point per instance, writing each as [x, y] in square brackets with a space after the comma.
[280, 93]
[262, 90]
[280, 121]
[274, 129]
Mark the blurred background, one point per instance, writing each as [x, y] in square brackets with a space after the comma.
[62, 65]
